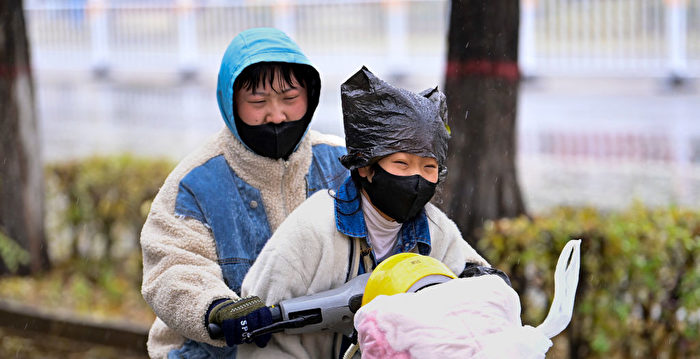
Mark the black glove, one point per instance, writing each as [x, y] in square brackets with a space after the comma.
[237, 318]
[475, 270]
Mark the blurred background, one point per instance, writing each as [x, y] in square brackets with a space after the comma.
[610, 98]
[608, 124]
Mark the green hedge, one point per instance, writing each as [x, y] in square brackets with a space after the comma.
[12, 256]
[97, 206]
[639, 287]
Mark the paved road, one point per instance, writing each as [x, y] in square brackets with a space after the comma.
[588, 117]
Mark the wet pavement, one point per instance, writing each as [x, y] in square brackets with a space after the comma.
[582, 141]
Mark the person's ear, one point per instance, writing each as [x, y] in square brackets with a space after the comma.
[366, 171]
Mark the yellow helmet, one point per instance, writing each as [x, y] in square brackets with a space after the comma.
[404, 273]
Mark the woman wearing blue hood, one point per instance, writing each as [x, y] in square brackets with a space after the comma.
[221, 204]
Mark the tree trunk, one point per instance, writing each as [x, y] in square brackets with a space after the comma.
[481, 84]
[21, 177]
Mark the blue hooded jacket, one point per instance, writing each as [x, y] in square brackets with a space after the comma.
[215, 195]
[251, 47]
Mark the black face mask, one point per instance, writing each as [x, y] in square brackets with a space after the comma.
[272, 140]
[399, 197]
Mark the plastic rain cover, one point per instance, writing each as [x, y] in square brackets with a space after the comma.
[381, 119]
[476, 317]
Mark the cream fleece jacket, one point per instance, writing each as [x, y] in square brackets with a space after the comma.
[307, 255]
[181, 276]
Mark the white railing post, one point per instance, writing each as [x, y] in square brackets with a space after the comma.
[187, 38]
[527, 37]
[397, 36]
[99, 37]
[676, 31]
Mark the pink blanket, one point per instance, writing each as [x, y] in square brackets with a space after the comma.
[463, 318]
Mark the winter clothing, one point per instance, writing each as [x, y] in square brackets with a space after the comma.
[251, 47]
[239, 317]
[399, 197]
[310, 253]
[243, 198]
[317, 248]
[219, 206]
[381, 232]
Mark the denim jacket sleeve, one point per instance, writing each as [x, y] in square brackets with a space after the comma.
[181, 276]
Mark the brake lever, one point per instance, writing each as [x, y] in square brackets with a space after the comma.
[297, 322]
[217, 333]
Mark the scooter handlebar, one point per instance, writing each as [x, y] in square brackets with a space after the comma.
[215, 331]
[331, 310]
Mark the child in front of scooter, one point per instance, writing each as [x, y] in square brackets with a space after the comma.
[397, 148]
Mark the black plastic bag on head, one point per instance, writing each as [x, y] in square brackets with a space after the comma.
[381, 119]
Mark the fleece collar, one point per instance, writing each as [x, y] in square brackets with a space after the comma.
[281, 183]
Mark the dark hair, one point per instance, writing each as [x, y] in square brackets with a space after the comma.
[259, 72]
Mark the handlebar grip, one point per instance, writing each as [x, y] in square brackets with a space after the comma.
[276, 313]
[215, 331]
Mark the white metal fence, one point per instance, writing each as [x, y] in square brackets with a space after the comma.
[183, 35]
[572, 37]
[605, 145]
[611, 37]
